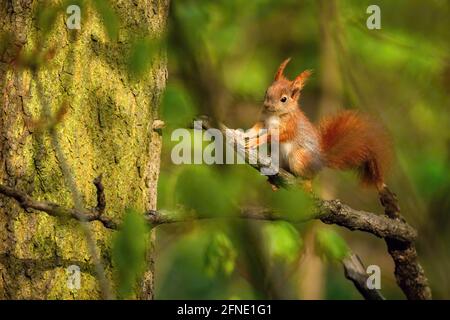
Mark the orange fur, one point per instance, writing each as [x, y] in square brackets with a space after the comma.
[300, 165]
[287, 128]
[350, 140]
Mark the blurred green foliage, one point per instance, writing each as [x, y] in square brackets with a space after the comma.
[283, 240]
[220, 255]
[202, 189]
[128, 253]
[142, 52]
[331, 244]
[177, 109]
[108, 17]
[293, 204]
[46, 16]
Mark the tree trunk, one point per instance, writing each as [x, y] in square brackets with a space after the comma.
[107, 130]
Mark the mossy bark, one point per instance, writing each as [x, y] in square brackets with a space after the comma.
[107, 130]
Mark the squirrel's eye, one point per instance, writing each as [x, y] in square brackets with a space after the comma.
[283, 99]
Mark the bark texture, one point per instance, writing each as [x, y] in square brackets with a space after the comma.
[108, 129]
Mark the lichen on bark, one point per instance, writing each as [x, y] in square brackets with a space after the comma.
[107, 130]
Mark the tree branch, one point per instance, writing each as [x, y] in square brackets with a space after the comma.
[55, 210]
[328, 211]
[335, 212]
[355, 272]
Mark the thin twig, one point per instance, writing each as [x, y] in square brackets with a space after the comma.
[354, 271]
[101, 199]
[55, 210]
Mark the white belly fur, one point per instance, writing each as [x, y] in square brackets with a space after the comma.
[273, 122]
[285, 153]
[285, 148]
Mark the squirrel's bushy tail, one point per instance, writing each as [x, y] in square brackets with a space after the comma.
[351, 140]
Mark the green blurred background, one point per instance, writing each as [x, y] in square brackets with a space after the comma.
[222, 56]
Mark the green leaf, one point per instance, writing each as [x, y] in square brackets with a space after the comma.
[164, 190]
[292, 203]
[109, 18]
[177, 109]
[201, 189]
[220, 257]
[283, 240]
[128, 252]
[331, 245]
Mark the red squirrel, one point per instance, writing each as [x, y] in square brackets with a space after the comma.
[348, 140]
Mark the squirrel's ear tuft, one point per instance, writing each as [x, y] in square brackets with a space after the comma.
[279, 73]
[302, 77]
[299, 82]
